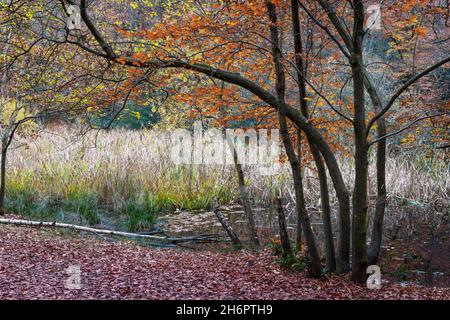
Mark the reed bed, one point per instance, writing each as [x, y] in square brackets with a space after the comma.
[125, 172]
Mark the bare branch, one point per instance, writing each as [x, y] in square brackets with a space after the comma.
[404, 88]
[406, 128]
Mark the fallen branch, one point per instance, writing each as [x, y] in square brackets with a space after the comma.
[203, 238]
[199, 239]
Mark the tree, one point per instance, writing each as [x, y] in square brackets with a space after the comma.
[280, 84]
[35, 74]
[230, 41]
[324, 193]
[237, 79]
[352, 48]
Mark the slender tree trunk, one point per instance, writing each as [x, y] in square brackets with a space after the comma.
[326, 211]
[5, 143]
[299, 196]
[377, 224]
[253, 234]
[315, 270]
[54, 224]
[359, 252]
[344, 242]
[284, 236]
[299, 220]
[251, 225]
[298, 48]
[3, 180]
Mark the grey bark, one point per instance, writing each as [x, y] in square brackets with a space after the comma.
[380, 208]
[3, 180]
[324, 192]
[315, 270]
[284, 236]
[359, 249]
[298, 237]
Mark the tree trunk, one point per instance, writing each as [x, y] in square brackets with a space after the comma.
[377, 224]
[325, 198]
[359, 248]
[251, 225]
[3, 180]
[299, 196]
[298, 239]
[253, 234]
[359, 252]
[326, 211]
[233, 236]
[315, 270]
[54, 224]
[284, 236]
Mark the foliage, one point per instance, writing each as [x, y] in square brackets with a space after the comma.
[291, 262]
[141, 216]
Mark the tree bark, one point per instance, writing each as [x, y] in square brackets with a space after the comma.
[284, 236]
[251, 225]
[380, 208]
[325, 198]
[359, 249]
[298, 238]
[377, 223]
[326, 211]
[298, 50]
[315, 270]
[3, 180]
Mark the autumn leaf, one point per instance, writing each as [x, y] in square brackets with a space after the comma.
[121, 60]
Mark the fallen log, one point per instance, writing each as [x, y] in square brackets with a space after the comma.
[199, 239]
[18, 222]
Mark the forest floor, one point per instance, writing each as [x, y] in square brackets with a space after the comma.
[34, 263]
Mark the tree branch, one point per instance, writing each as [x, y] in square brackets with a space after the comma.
[404, 88]
[405, 128]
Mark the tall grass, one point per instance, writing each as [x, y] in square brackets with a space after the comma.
[122, 172]
[129, 173]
